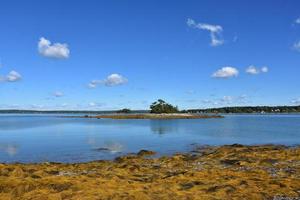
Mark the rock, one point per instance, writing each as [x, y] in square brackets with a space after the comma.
[236, 145]
[230, 162]
[186, 186]
[102, 149]
[189, 185]
[59, 187]
[146, 153]
[66, 173]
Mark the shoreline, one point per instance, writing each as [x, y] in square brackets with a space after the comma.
[149, 116]
[212, 172]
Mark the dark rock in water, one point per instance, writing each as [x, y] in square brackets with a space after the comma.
[146, 153]
[102, 149]
[236, 145]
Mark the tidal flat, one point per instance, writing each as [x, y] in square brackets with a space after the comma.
[208, 172]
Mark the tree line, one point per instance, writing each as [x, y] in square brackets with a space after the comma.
[248, 109]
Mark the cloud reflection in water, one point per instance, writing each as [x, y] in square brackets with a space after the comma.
[108, 146]
[10, 149]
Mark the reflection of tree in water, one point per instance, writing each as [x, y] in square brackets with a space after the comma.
[10, 149]
[164, 126]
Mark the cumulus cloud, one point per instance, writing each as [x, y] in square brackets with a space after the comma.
[215, 31]
[12, 76]
[226, 72]
[115, 79]
[255, 70]
[58, 94]
[56, 50]
[252, 70]
[111, 80]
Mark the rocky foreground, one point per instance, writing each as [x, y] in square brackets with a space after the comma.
[226, 172]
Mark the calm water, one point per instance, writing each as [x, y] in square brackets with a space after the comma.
[39, 138]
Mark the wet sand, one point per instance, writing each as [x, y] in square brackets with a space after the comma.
[225, 172]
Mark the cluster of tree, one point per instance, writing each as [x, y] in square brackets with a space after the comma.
[248, 109]
[160, 106]
[124, 110]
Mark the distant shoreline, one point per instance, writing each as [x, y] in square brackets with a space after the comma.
[149, 116]
[220, 110]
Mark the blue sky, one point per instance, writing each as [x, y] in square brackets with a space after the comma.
[103, 55]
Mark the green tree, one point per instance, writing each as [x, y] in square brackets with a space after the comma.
[160, 106]
[125, 110]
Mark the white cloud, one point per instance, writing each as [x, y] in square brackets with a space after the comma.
[12, 76]
[115, 79]
[265, 69]
[227, 99]
[255, 70]
[242, 97]
[58, 94]
[56, 50]
[297, 21]
[296, 101]
[226, 72]
[296, 46]
[111, 80]
[215, 31]
[92, 104]
[93, 84]
[252, 70]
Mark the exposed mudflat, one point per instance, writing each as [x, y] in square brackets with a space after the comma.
[226, 172]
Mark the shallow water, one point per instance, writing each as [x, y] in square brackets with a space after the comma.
[40, 138]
